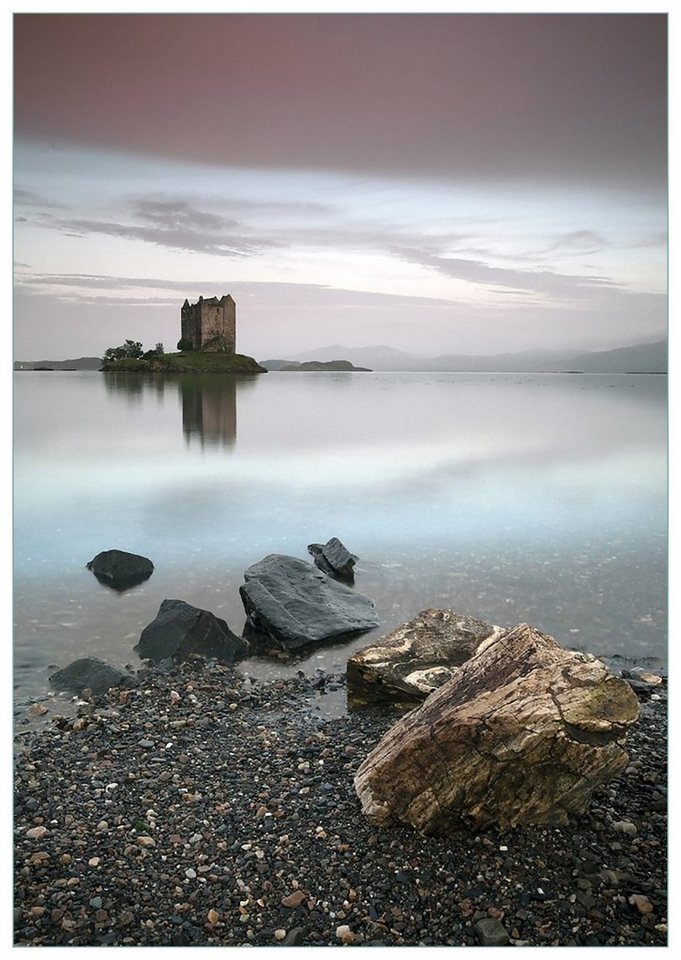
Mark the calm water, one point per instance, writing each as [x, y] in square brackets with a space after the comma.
[536, 498]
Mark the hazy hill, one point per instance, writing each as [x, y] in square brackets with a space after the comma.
[641, 358]
[82, 363]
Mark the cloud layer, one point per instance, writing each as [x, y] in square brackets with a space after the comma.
[456, 96]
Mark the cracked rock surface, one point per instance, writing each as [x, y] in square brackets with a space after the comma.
[522, 733]
[415, 658]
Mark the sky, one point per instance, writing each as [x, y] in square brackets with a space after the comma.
[455, 183]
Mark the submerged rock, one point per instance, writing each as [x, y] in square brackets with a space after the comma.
[118, 569]
[642, 682]
[522, 733]
[411, 661]
[93, 674]
[180, 630]
[297, 605]
[333, 558]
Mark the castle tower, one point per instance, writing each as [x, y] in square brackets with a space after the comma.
[210, 324]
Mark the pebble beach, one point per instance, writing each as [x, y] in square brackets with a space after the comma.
[205, 808]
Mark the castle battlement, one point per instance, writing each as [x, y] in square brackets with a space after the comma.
[210, 324]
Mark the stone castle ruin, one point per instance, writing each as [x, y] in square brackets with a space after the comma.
[210, 325]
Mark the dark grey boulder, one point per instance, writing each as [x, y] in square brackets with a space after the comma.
[93, 674]
[119, 570]
[180, 630]
[297, 605]
[333, 558]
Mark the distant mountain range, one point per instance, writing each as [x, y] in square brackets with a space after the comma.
[641, 358]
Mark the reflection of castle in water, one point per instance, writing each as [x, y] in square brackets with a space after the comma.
[208, 400]
[209, 410]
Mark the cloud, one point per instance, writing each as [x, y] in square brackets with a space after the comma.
[173, 224]
[177, 214]
[89, 280]
[462, 97]
[305, 293]
[541, 282]
[579, 241]
[29, 198]
[102, 300]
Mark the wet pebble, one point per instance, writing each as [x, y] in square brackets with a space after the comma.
[143, 828]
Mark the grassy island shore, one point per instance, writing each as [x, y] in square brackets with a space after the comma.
[187, 362]
[207, 809]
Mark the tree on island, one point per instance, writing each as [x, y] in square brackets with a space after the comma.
[131, 350]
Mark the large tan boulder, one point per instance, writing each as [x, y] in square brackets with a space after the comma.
[407, 664]
[522, 733]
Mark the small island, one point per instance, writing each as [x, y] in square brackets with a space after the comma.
[206, 345]
[319, 365]
[184, 362]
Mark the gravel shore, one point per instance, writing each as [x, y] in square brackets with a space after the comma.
[205, 808]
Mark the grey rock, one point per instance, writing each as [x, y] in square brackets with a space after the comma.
[180, 630]
[297, 605]
[333, 558]
[294, 937]
[120, 570]
[415, 658]
[491, 933]
[625, 826]
[643, 690]
[91, 673]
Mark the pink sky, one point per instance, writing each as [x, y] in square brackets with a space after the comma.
[501, 178]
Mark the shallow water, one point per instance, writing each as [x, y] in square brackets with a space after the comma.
[536, 498]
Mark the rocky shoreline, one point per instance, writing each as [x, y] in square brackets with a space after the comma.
[205, 808]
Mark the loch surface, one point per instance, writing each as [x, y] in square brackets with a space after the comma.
[514, 498]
